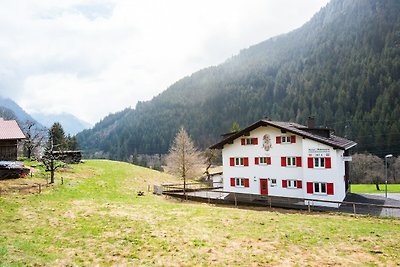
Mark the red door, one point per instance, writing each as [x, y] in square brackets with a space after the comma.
[264, 186]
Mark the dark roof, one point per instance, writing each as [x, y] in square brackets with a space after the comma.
[332, 140]
[9, 130]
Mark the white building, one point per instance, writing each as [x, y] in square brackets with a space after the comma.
[286, 159]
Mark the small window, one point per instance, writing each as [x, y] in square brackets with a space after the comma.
[285, 139]
[319, 162]
[239, 182]
[291, 161]
[239, 161]
[291, 183]
[263, 160]
[320, 188]
[273, 182]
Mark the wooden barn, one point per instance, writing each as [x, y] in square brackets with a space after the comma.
[10, 135]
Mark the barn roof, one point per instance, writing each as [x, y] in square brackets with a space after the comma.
[9, 130]
[311, 133]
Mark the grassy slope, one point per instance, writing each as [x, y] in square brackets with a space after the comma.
[371, 188]
[96, 218]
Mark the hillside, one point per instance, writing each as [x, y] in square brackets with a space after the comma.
[96, 218]
[343, 67]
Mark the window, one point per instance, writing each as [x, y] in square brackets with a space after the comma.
[291, 183]
[286, 139]
[319, 162]
[240, 182]
[239, 161]
[262, 160]
[320, 188]
[291, 161]
[273, 182]
[249, 141]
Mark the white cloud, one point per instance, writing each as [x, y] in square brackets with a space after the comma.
[93, 57]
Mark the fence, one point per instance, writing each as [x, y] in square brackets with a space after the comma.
[24, 188]
[213, 195]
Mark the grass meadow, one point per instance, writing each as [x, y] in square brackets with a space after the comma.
[371, 188]
[96, 218]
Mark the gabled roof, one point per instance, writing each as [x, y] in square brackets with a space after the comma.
[295, 128]
[9, 130]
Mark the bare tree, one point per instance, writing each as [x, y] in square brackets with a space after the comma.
[210, 156]
[183, 158]
[367, 168]
[34, 137]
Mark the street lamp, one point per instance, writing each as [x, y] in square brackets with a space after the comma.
[386, 176]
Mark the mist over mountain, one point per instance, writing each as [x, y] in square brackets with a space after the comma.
[18, 113]
[71, 124]
[343, 67]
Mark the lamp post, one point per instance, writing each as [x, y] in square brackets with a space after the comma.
[386, 176]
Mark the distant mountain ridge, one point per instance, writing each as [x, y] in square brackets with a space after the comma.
[343, 67]
[71, 124]
[20, 114]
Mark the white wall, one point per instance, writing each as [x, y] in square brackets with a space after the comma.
[276, 171]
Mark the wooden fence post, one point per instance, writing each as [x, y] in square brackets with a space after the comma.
[40, 188]
[354, 208]
[234, 194]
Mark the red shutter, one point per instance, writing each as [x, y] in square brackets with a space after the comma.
[310, 187]
[246, 182]
[233, 182]
[284, 183]
[243, 141]
[255, 141]
[278, 139]
[329, 188]
[293, 139]
[256, 160]
[283, 161]
[268, 160]
[310, 163]
[298, 161]
[232, 161]
[299, 184]
[328, 163]
[246, 161]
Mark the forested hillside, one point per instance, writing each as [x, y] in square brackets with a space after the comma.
[343, 67]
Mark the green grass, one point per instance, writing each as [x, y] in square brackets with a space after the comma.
[96, 218]
[371, 188]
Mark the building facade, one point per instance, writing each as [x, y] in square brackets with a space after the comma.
[285, 159]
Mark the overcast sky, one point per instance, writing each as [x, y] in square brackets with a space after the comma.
[93, 57]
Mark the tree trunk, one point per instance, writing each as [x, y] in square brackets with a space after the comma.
[377, 186]
[52, 176]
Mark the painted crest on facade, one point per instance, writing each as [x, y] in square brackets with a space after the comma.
[267, 145]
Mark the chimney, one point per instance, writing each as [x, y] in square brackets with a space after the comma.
[311, 122]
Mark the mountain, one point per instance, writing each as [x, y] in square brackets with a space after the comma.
[19, 114]
[343, 67]
[71, 124]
